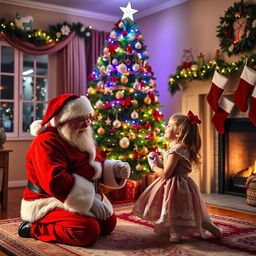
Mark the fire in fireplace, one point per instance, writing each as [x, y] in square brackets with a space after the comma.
[239, 179]
[237, 154]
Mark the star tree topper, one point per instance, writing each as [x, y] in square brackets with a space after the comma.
[128, 11]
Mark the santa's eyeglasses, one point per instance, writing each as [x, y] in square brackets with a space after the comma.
[81, 120]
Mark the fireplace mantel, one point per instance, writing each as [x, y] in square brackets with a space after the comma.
[194, 99]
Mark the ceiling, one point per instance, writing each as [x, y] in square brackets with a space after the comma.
[100, 9]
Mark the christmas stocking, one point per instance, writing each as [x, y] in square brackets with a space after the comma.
[225, 107]
[245, 86]
[252, 111]
[219, 83]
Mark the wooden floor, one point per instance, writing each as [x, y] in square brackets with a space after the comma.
[15, 196]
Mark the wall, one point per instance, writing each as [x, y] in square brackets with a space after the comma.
[166, 35]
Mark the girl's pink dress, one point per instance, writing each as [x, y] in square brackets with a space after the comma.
[175, 204]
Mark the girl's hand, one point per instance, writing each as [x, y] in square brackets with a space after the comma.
[153, 160]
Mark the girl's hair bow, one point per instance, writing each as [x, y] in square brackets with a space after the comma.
[193, 118]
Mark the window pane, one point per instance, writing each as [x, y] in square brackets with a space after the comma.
[40, 111]
[41, 89]
[6, 114]
[28, 64]
[28, 116]
[7, 87]
[7, 59]
[28, 87]
[41, 65]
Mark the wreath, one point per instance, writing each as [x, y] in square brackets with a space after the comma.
[237, 29]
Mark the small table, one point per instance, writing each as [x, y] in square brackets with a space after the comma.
[4, 164]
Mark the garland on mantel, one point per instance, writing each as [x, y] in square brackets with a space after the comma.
[207, 70]
[39, 37]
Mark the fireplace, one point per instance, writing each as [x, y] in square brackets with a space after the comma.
[237, 156]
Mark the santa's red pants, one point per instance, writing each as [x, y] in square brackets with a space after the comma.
[71, 228]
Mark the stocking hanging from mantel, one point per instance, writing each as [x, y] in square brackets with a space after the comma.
[223, 106]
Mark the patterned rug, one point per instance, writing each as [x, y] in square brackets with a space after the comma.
[135, 237]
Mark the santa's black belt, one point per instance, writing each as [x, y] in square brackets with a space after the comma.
[35, 188]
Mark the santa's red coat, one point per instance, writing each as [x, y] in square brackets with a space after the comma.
[66, 174]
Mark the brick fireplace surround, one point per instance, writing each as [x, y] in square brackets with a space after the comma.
[194, 99]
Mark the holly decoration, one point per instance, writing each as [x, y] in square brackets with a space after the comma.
[122, 90]
[237, 29]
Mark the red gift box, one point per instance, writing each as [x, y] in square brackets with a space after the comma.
[147, 179]
[130, 192]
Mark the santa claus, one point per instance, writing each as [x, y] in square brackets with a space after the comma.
[62, 202]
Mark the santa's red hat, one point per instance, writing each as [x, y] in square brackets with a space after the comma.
[61, 109]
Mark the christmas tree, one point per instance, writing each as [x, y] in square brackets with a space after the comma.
[127, 121]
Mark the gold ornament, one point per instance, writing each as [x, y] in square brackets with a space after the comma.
[124, 142]
[144, 151]
[138, 167]
[124, 79]
[140, 37]
[119, 95]
[94, 114]
[194, 67]
[116, 123]
[147, 100]
[132, 136]
[156, 98]
[134, 102]
[157, 129]
[134, 115]
[100, 131]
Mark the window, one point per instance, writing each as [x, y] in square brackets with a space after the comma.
[23, 90]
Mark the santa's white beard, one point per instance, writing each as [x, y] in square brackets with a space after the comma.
[83, 140]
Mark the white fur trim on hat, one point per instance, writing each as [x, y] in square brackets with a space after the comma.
[73, 109]
[36, 127]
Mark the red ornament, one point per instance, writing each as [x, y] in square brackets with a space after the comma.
[186, 64]
[112, 130]
[124, 33]
[148, 68]
[137, 127]
[129, 48]
[147, 125]
[91, 76]
[152, 97]
[126, 102]
[128, 61]
[136, 155]
[114, 79]
[150, 136]
[106, 106]
[112, 48]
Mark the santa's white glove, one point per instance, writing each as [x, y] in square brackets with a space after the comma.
[153, 160]
[100, 210]
[122, 170]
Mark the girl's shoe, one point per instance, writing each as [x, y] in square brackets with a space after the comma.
[212, 229]
[175, 238]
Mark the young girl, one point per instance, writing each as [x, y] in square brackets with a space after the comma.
[173, 201]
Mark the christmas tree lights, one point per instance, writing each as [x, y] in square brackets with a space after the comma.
[127, 121]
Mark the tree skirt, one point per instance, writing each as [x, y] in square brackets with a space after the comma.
[135, 237]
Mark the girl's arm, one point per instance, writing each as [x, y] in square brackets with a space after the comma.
[170, 162]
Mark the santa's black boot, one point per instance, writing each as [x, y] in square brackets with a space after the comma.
[24, 229]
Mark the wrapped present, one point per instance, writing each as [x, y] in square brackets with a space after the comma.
[147, 179]
[130, 192]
